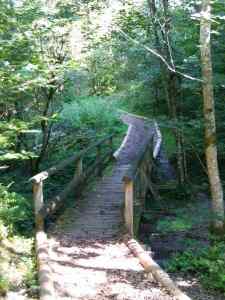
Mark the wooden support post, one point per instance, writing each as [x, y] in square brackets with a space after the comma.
[128, 209]
[44, 271]
[99, 167]
[111, 145]
[79, 169]
[38, 204]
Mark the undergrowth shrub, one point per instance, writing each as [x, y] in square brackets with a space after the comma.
[15, 212]
[208, 263]
[95, 115]
[4, 285]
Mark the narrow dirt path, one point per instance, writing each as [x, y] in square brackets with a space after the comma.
[87, 259]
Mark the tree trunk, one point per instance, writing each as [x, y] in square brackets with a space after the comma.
[209, 117]
[160, 49]
[170, 82]
[174, 113]
[46, 129]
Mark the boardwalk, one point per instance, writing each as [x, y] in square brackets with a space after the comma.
[87, 258]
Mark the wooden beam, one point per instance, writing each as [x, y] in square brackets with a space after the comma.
[55, 169]
[56, 202]
[38, 204]
[44, 270]
[79, 168]
[41, 246]
[99, 166]
[150, 266]
[129, 209]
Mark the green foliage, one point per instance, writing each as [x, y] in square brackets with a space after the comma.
[168, 141]
[93, 115]
[4, 285]
[15, 211]
[35, 63]
[3, 231]
[176, 225]
[208, 264]
[30, 277]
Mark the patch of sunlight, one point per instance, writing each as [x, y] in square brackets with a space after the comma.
[185, 283]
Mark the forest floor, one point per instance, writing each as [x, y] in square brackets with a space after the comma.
[18, 267]
[172, 228]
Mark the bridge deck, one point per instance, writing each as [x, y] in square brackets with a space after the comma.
[86, 257]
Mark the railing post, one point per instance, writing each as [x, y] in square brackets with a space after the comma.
[99, 168]
[128, 209]
[79, 168]
[44, 271]
[111, 145]
[38, 204]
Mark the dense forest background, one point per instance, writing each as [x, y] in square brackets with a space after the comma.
[67, 70]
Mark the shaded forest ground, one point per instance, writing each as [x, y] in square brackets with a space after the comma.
[176, 229]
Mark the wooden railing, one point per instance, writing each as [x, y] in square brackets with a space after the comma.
[46, 208]
[137, 180]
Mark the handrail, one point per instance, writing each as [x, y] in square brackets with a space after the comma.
[137, 179]
[55, 169]
[157, 141]
[42, 209]
[45, 209]
[133, 168]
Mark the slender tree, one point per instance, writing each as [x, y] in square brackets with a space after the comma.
[170, 80]
[209, 117]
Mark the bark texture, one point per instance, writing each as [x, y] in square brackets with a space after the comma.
[209, 117]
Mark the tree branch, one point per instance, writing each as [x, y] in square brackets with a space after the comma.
[155, 53]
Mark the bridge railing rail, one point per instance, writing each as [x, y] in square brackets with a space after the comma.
[45, 208]
[137, 179]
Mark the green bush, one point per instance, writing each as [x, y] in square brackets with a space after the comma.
[208, 264]
[4, 285]
[94, 114]
[15, 211]
[173, 225]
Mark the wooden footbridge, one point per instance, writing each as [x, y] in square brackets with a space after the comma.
[90, 252]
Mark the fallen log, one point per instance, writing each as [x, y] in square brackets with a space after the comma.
[44, 271]
[150, 266]
[42, 247]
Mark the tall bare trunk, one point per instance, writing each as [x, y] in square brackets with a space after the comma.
[159, 47]
[170, 81]
[209, 116]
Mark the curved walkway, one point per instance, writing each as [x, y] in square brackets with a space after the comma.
[87, 258]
